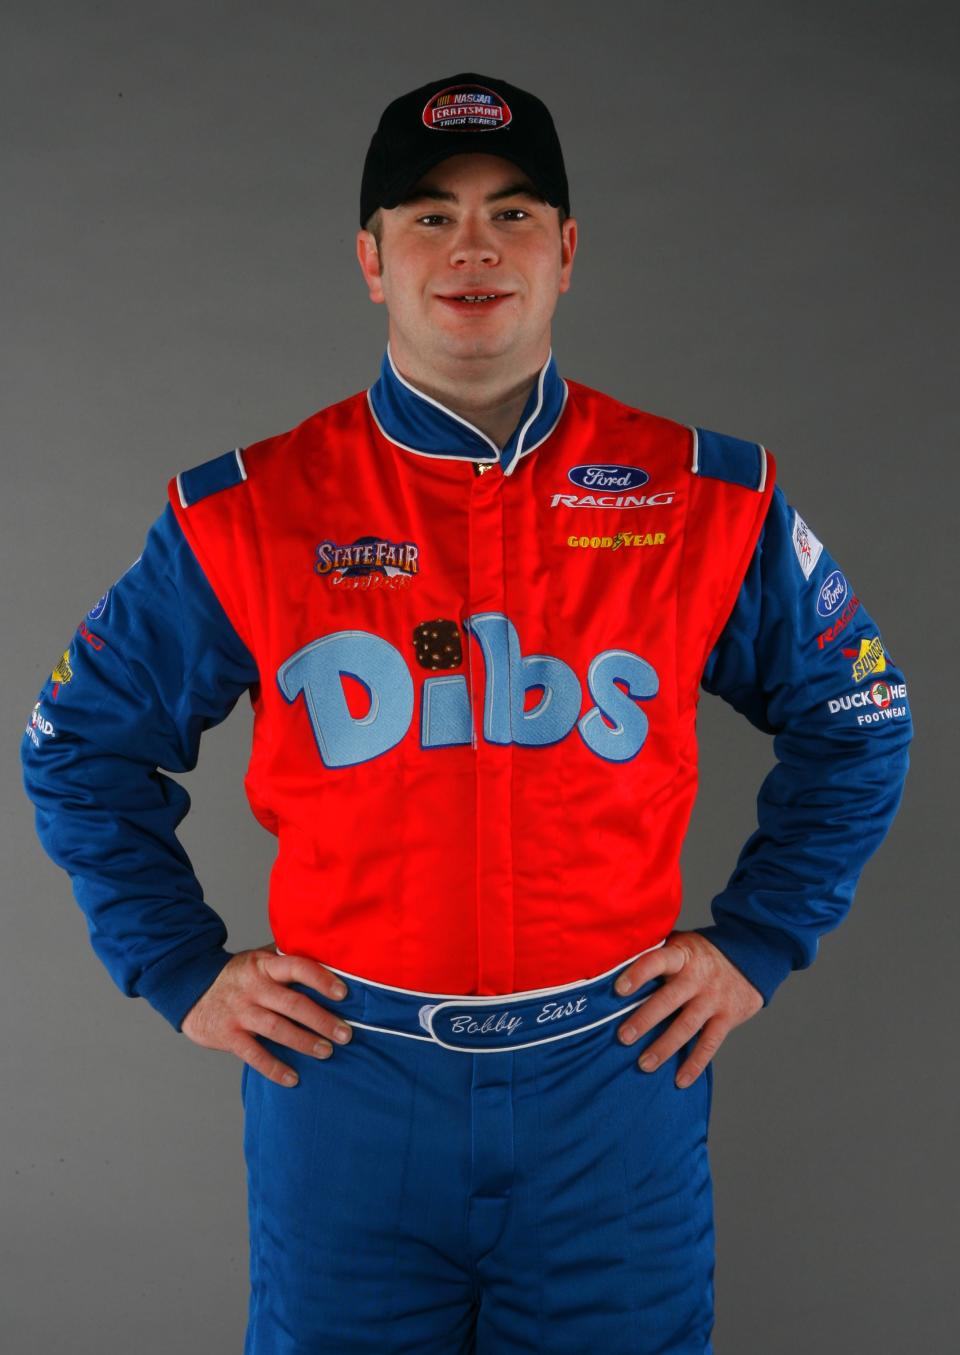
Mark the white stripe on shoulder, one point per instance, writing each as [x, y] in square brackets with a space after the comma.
[695, 467]
[183, 501]
[763, 468]
[238, 453]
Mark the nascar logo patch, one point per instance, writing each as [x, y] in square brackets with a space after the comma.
[471, 107]
[808, 548]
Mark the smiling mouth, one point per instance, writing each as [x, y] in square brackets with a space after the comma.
[475, 300]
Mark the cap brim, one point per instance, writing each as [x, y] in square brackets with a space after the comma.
[400, 189]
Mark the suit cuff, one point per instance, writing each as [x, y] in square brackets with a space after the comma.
[175, 984]
[762, 954]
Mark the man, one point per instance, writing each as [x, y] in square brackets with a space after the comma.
[473, 608]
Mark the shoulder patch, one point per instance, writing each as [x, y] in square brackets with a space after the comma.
[721, 457]
[222, 472]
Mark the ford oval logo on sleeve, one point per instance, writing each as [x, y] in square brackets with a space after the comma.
[833, 594]
[99, 607]
[608, 477]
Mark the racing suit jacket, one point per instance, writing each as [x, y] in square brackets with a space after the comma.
[475, 676]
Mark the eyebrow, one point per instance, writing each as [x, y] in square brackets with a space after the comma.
[521, 189]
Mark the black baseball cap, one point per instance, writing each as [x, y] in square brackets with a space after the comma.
[466, 113]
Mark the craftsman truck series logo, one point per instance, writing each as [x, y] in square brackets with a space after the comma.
[614, 727]
[470, 108]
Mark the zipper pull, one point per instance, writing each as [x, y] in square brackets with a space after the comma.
[481, 467]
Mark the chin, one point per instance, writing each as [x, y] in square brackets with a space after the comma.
[474, 346]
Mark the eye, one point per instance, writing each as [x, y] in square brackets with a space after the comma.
[431, 219]
[514, 214]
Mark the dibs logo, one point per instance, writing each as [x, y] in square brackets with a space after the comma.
[613, 728]
[608, 477]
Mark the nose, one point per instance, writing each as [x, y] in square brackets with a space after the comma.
[474, 244]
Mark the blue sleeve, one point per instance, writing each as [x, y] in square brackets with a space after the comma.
[801, 658]
[154, 664]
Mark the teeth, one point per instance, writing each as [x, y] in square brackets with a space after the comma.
[490, 296]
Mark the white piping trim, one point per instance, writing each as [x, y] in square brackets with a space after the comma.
[518, 450]
[443, 409]
[696, 452]
[763, 468]
[243, 469]
[541, 441]
[385, 1030]
[454, 456]
[439, 456]
[183, 501]
[485, 1000]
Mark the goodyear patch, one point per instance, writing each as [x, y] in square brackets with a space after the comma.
[626, 540]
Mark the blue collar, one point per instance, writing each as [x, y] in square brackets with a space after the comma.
[418, 423]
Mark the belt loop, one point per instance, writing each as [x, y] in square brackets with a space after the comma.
[424, 1015]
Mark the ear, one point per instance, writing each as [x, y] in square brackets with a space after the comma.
[368, 256]
[568, 247]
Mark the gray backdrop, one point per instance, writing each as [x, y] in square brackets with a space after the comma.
[768, 208]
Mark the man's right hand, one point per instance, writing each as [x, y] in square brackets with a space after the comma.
[250, 997]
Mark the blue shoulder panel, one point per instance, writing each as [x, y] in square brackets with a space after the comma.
[721, 457]
[223, 472]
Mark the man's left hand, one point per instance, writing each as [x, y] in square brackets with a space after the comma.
[714, 995]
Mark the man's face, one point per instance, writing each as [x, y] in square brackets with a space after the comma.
[473, 227]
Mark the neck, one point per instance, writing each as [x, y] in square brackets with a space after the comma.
[489, 401]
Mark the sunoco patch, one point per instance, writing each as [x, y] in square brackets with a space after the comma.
[472, 108]
[62, 673]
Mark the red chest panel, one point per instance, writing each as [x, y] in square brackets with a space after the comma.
[475, 722]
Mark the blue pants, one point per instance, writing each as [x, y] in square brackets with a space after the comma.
[460, 1182]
